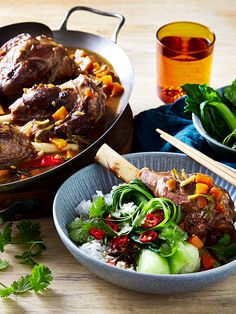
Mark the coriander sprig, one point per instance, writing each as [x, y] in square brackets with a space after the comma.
[39, 279]
[29, 234]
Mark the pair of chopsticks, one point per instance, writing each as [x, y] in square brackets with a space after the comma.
[202, 159]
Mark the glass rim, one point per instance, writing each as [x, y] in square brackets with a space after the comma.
[187, 22]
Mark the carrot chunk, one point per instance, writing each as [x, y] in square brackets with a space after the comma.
[207, 261]
[60, 143]
[196, 241]
[171, 183]
[117, 89]
[60, 114]
[202, 188]
[204, 178]
[216, 192]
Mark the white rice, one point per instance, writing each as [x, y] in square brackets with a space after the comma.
[94, 249]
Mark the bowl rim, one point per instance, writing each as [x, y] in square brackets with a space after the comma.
[199, 127]
[230, 266]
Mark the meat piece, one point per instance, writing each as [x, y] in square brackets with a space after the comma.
[82, 97]
[87, 109]
[208, 223]
[37, 102]
[14, 146]
[26, 60]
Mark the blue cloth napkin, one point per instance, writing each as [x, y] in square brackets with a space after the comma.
[171, 119]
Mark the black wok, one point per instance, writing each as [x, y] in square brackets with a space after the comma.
[121, 64]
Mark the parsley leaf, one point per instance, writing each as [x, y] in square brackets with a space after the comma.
[78, 229]
[3, 264]
[39, 279]
[5, 236]
[98, 208]
[224, 249]
[29, 231]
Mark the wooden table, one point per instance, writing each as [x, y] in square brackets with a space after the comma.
[75, 289]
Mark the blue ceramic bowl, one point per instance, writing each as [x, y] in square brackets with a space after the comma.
[84, 183]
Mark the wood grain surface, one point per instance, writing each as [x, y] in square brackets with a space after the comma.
[74, 288]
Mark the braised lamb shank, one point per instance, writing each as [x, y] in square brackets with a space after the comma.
[14, 146]
[26, 60]
[82, 97]
[208, 222]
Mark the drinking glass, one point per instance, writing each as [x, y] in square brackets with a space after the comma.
[184, 55]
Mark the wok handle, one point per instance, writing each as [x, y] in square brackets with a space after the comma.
[83, 8]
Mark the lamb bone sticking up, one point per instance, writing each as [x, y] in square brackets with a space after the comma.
[208, 223]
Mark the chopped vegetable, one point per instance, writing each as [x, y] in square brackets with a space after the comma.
[60, 143]
[185, 260]
[171, 183]
[97, 233]
[207, 261]
[201, 201]
[196, 241]
[216, 192]
[117, 89]
[204, 178]
[152, 263]
[148, 236]
[202, 188]
[60, 114]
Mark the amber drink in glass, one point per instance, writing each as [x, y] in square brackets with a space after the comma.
[184, 55]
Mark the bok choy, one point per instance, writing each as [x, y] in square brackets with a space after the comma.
[217, 112]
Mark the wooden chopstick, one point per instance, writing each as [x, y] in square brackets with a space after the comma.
[204, 160]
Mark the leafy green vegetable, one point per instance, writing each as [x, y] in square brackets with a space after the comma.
[30, 237]
[186, 259]
[5, 236]
[3, 264]
[152, 263]
[39, 280]
[224, 248]
[215, 111]
[99, 207]
[230, 93]
[79, 229]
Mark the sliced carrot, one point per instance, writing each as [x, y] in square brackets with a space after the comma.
[216, 192]
[202, 188]
[207, 261]
[60, 143]
[171, 183]
[201, 202]
[196, 241]
[204, 178]
[106, 80]
[117, 89]
[60, 114]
